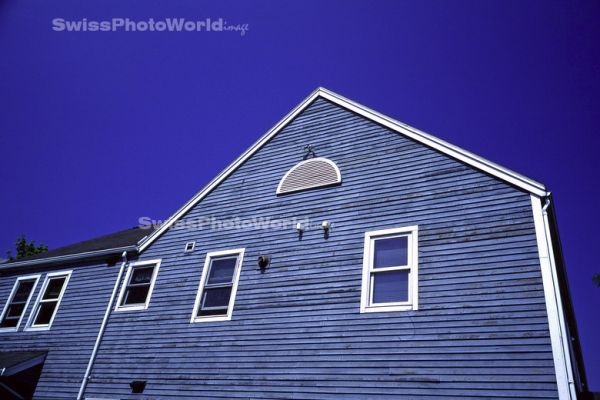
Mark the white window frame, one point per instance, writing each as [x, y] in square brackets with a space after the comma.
[239, 253]
[132, 265]
[34, 311]
[12, 295]
[412, 232]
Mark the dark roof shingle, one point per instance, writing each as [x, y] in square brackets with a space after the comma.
[125, 238]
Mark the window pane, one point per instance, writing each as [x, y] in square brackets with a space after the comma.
[15, 310]
[54, 287]
[45, 314]
[218, 297]
[221, 271]
[392, 252]
[214, 311]
[390, 286]
[23, 291]
[141, 275]
[9, 323]
[136, 295]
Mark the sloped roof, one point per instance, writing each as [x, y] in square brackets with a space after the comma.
[505, 174]
[111, 243]
[12, 362]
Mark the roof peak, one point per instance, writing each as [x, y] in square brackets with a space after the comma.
[456, 152]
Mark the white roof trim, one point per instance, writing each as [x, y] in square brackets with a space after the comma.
[66, 258]
[465, 156]
[456, 152]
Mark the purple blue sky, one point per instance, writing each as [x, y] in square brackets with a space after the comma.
[98, 129]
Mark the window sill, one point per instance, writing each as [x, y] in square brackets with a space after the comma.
[37, 328]
[390, 308]
[8, 329]
[132, 308]
[212, 319]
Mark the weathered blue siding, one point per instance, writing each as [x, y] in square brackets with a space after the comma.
[296, 333]
[71, 338]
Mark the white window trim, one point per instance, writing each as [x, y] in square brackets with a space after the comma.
[413, 266]
[30, 326]
[236, 277]
[10, 298]
[118, 306]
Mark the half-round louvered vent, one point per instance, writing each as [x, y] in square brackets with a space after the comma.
[308, 174]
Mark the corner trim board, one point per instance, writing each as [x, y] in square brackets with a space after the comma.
[556, 318]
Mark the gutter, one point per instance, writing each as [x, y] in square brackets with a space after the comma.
[109, 307]
[67, 258]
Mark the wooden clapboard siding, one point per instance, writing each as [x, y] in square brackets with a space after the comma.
[481, 330]
[71, 338]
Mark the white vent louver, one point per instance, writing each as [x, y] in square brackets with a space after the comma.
[309, 174]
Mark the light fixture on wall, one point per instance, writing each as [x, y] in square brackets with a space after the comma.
[137, 386]
[300, 229]
[326, 226]
[263, 262]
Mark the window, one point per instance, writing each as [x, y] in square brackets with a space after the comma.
[17, 302]
[48, 300]
[138, 285]
[390, 270]
[218, 286]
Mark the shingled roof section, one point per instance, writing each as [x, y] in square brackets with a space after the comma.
[125, 238]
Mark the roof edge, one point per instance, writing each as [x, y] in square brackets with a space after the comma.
[519, 180]
[456, 152]
[67, 258]
[232, 167]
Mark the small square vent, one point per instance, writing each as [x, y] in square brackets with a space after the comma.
[189, 247]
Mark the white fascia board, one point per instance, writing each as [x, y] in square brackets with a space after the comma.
[67, 258]
[456, 152]
[469, 158]
[229, 170]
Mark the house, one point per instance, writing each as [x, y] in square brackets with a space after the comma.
[46, 340]
[345, 255]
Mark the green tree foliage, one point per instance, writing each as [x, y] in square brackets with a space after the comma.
[23, 248]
